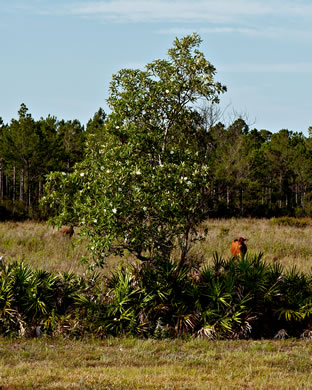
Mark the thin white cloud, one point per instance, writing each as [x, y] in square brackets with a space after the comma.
[187, 11]
[288, 19]
[266, 32]
[208, 11]
[164, 10]
[301, 67]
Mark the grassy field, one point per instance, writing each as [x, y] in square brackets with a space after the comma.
[289, 245]
[49, 363]
[44, 247]
[41, 246]
[149, 364]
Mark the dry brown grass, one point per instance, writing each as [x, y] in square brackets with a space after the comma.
[42, 246]
[291, 246]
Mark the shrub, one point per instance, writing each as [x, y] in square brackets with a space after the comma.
[34, 298]
[248, 298]
[290, 221]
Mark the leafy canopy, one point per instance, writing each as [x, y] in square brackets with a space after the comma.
[144, 182]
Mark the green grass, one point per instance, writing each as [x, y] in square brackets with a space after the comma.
[150, 364]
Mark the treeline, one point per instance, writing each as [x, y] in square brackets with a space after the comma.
[253, 172]
[29, 150]
[260, 173]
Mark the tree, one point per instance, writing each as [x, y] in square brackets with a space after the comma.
[96, 124]
[48, 151]
[2, 130]
[21, 143]
[71, 139]
[144, 187]
[231, 163]
[279, 153]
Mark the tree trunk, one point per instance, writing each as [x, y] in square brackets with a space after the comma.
[280, 191]
[1, 180]
[227, 196]
[22, 184]
[39, 191]
[28, 188]
[241, 207]
[263, 196]
[7, 187]
[14, 183]
[296, 194]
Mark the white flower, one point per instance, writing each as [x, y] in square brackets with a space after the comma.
[92, 248]
[107, 171]
[114, 211]
[63, 173]
[189, 183]
[171, 151]
[167, 90]
[102, 168]
[95, 220]
[82, 174]
[119, 189]
[144, 208]
[138, 172]
[117, 127]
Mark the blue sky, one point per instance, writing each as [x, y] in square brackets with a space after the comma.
[58, 57]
